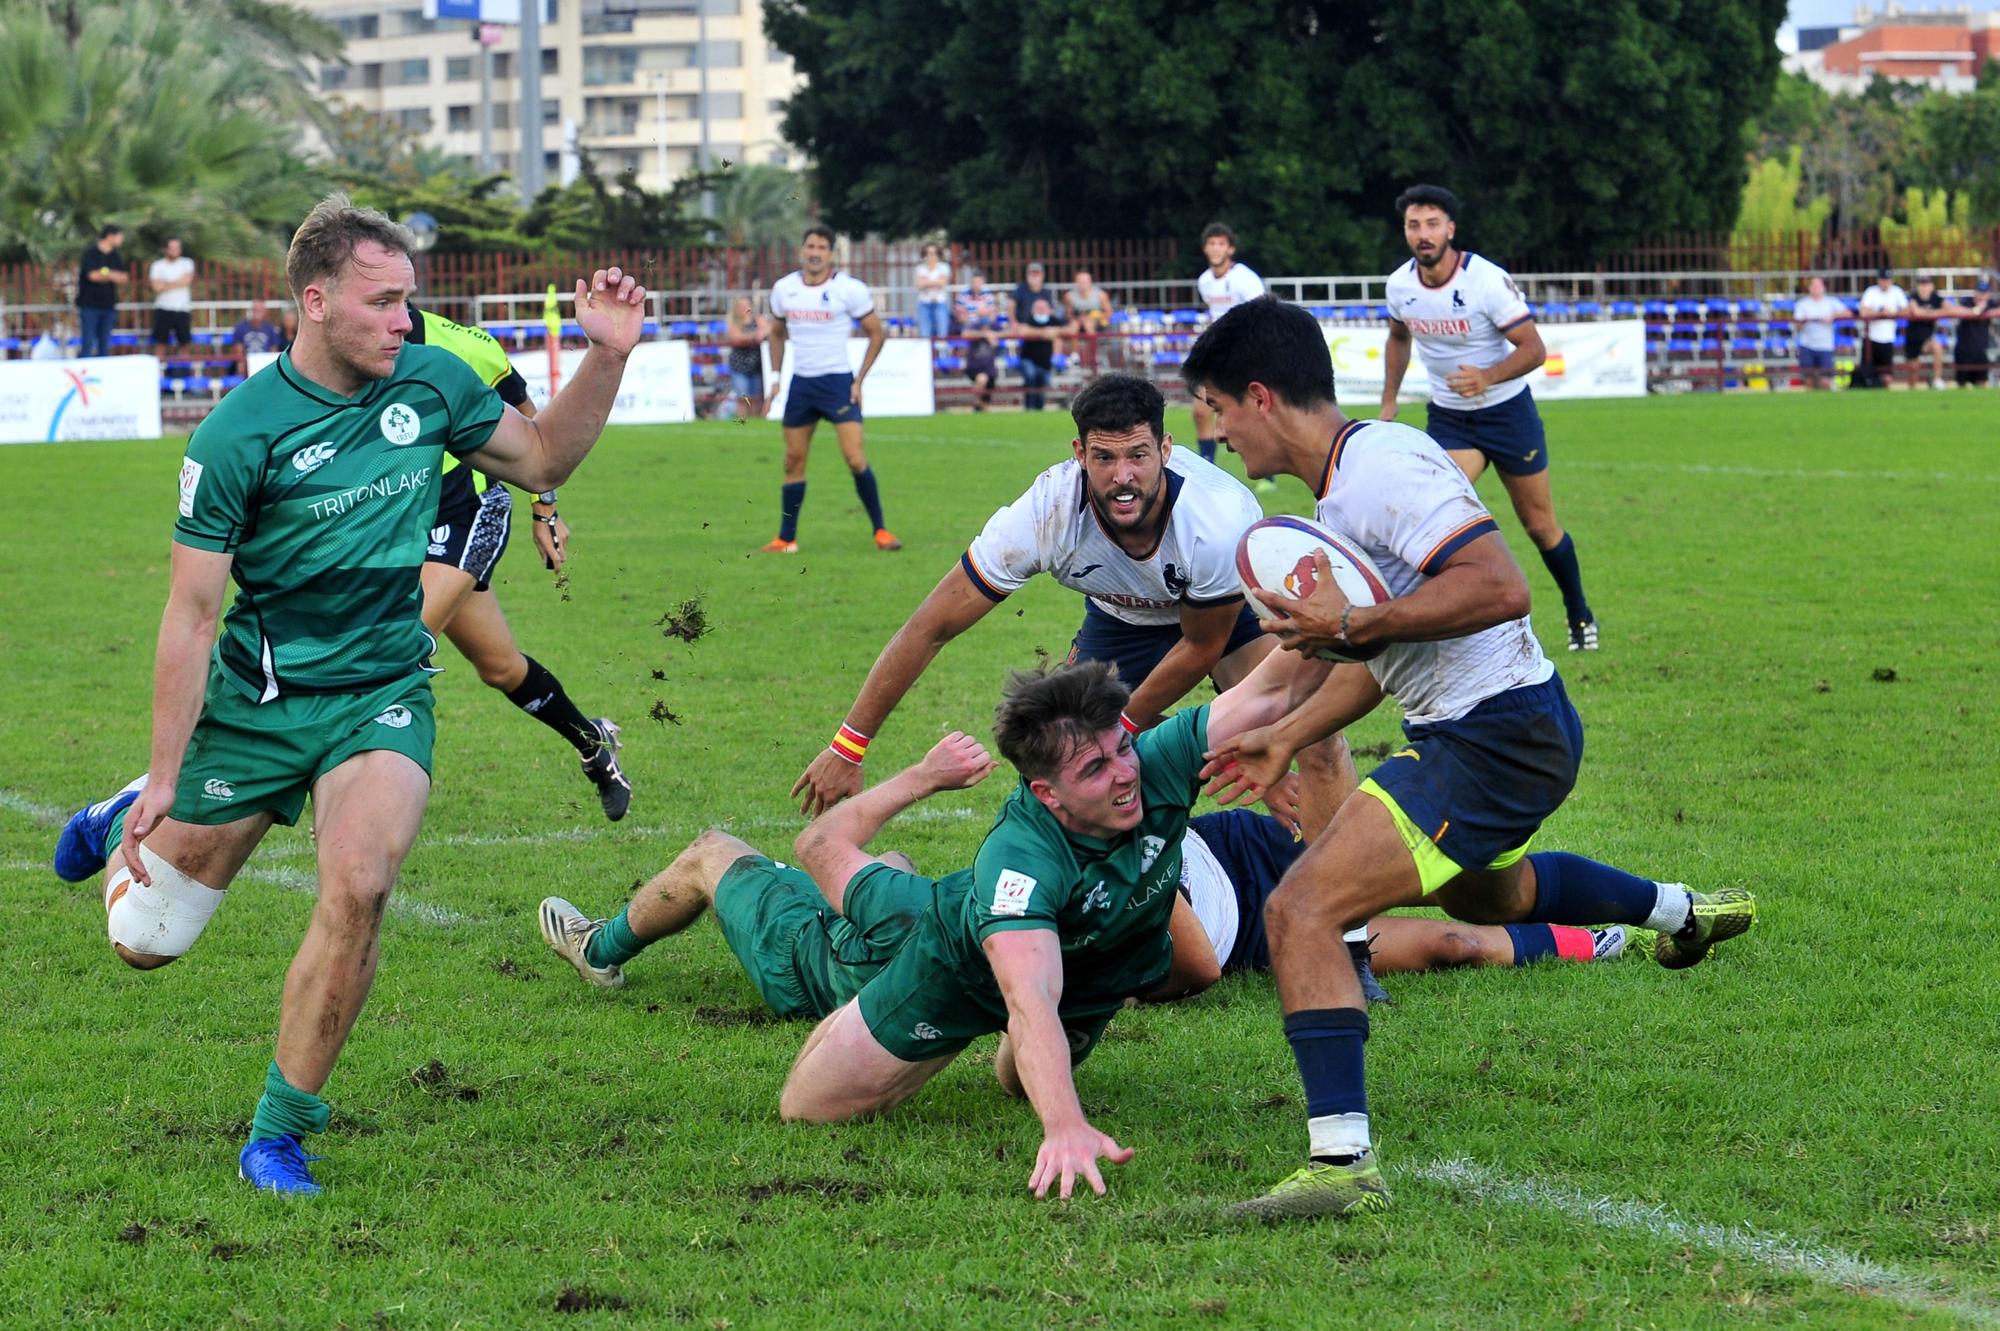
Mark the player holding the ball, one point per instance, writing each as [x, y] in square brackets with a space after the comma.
[1494, 743]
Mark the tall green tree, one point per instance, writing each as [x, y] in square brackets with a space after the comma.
[1567, 126]
[163, 116]
[1776, 226]
[758, 204]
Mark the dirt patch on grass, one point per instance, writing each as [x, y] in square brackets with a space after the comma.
[583, 1299]
[830, 1189]
[434, 1078]
[735, 1016]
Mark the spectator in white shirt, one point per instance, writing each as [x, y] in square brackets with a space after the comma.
[933, 295]
[172, 279]
[1880, 304]
[1815, 317]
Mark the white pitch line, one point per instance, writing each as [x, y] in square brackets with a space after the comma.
[1773, 1252]
[41, 813]
[295, 880]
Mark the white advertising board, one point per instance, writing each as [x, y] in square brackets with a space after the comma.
[105, 397]
[657, 386]
[1584, 360]
[899, 385]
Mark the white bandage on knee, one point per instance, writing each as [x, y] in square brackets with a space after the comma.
[162, 920]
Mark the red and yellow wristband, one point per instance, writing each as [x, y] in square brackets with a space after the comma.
[849, 743]
[1131, 727]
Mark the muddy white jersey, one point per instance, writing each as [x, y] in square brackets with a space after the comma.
[1225, 293]
[1392, 490]
[1054, 529]
[1463, 322]
[819, 319]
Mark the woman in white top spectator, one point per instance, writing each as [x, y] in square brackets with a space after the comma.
[1090, 310]
[933, 295]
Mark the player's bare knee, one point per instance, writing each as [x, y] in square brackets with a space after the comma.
[140, 961]
[1544, 530]
[1298, 910]
[1457, 947]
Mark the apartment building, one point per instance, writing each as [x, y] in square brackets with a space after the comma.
[620, 78]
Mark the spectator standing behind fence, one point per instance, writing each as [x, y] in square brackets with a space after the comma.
[1039, 322]
[1974, 334]
[1815, 316]
[976, 314]
[1880, 304]
[746, 358]
[1090, 310]
[1924, 334]
[172, 278]
[257, 336]
[933, 295]
[99, 275]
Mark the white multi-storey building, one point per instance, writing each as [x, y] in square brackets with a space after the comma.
[624, 77]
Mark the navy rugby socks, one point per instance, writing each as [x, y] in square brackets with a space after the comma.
[1570, 889]
[871, 498]
[1562, 565]
[1328, 1045]
[791, 499]
[1207, 447]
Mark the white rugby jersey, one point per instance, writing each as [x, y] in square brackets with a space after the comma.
[1225, 293]
[1463, 322]
[818, 319]
[1211, 894]
[1054, 529]
[1401, 497]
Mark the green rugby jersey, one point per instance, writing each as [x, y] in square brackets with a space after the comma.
[326, 504]
[488, 359]
[1108, 901]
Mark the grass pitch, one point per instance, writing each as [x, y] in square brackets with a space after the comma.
[1795, 694]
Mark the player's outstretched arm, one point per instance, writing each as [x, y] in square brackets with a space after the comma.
[198, 580]
[953, 606]
[834, 846]
[1246, 763]
[540, 454]
[1027, 963]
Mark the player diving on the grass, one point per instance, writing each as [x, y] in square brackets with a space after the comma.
[1092, 888]
[1493, 744]
[314, 487]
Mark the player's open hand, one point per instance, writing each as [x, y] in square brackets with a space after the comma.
[1072, 1152]
[827, 780]
[1390, 406]
[551, 540]
[611, 309]
[956, 762]
[1286, 805]
[1246, 765]
[854, 393]
[1311, 622]
[140, 820]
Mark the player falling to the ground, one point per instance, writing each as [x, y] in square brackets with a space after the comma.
[1493, 744]
[314, 485]
[806, 959]
[813, 309]
[474, 520]
[1148, 534]
[1478, 340]
[1062, 917]
[1222, 286]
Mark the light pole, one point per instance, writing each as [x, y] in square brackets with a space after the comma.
[701, 58]
[530, 132]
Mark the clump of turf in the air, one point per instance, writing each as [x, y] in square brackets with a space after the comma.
[688, 621]
[664, 714]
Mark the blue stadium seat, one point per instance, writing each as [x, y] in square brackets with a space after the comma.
[1150, 317]
[716, 328]
[1687, 330]
[1325, 312]
[1168, 357]
[1656, 309]
[684, 328]
[1625, 309]
[1680, 346]
[230, 381]
[1187, 317]
[1589, 309]
[1778, 347]
[1011, 364]
[1744, 348]
[1845, 344]
[1779, 328]
[119, 339]
[1555, 309]
[1711, 346]
[1060, 362]
[1783, 305]
[950, 364]
[1687, 309]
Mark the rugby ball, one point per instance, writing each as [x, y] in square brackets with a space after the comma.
[1276, 556]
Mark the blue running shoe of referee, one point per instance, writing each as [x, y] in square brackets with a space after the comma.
[80, 847]
[278, 1164]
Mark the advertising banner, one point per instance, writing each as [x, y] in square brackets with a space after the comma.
[1584, 360]
[899, 385]
[658, 385]
[105, 397]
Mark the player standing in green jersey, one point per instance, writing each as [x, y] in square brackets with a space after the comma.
[314, 486]
[474, 519]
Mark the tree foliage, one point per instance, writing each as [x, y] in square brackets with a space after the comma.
[1568, 127]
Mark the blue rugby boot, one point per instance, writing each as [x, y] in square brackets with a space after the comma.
[278, 1164]
[80, 847]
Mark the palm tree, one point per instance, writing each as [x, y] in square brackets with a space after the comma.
[758, 205]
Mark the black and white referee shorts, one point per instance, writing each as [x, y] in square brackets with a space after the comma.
[471, 533]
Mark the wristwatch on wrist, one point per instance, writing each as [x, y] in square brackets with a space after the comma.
[546, 497]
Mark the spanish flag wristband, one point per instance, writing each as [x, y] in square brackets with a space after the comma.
[850, 744]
